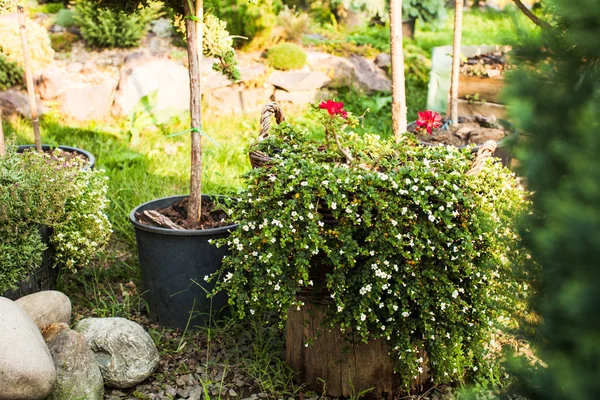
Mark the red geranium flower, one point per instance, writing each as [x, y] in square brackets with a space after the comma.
[429, 120]
[334, 108]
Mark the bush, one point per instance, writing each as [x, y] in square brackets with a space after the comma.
[102, 28]
[40, 48]
[292, 25]
[425, 10]
[286, 56]
[10, 73]
[62, 42]
[418, 254]
[65, 18]
[39, 188]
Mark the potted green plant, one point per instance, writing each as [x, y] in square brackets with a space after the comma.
[395, 244]
[175, 252]
[52, 213]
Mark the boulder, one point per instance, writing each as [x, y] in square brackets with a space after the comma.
[124, 352]
[384, 61]
[299, 97]
[13, 102]
[78, 374]
[168, 78]
[46, 308]
[51, 83]
[26, 368]
[354, 71]
[297, 81]
[89, 100]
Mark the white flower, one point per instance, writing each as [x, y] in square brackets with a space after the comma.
[340, 308]
[206, 278]
[228, 276]
[443, 305]
[475, 368]
[304, 183]
[415, 188]
[363, 317]
[405, 314]
[272, 178]
[394, 222]
[455, 294]
[333, 205]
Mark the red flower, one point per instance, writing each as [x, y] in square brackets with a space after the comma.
[429, 120]
[334, 108]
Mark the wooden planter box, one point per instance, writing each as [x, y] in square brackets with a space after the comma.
[486, 88]
[332, 365]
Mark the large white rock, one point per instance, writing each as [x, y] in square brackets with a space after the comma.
[353, 71]
[51, 83]
[90, 99]
[78, 374]
[46, 308]
[168, 78]
[124, 352]
[26, 368]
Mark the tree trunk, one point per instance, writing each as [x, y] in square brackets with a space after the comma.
[193, 25]
[2, 148]
[458, 12]
[29, 79]
[399, 108]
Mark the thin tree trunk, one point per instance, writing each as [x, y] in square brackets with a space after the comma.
[399, 108]
[29, 80]
[2, 148]
[458, 13]
[193, 25]
[531, 15]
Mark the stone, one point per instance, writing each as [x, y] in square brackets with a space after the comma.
[162, 28]
[124, 352]
[75, 67]
[168, 78]
[46, 308]
[196, 393]
[226, 100]
[303, 97]
[51, 83]
[78, 374]
[250, 72]
[353, 71]
[383, 60]
[13, 102]
[89, 67]
[293, 81]
[26, 368]
[87, 101]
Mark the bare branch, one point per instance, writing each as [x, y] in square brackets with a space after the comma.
[531, 15]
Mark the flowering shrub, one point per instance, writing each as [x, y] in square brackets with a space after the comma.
[401, 241]
[52, 190]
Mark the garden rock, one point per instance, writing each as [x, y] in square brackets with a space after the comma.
[294, 81]
[124, 352]
[46, 308]
[26, 367]
[169, 79]
[78, 374]
[162, 28]
[383, 60]
[89, 100]
[13, 102]
[354, 71]
[299, 98]
[51, 83]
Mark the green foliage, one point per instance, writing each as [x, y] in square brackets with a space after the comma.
[62, 42]
[286, 56]
[418, 254]
[425, 10]
[555, 94]
[103, 28]
[292, 25]
[48, 189]
[65, 18]
[218, 44]
[47, 8]
[11, 74]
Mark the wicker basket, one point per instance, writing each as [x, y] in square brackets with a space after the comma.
[259, 159]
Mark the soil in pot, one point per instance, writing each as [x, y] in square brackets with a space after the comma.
[213, 216]
[470, 130]
[491, 64]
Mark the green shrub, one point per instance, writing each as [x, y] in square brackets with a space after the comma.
[103, 28]
[292, 25]
[47, 8]
[286, 56]
[425, 10]
[65, 18]
[39, 188]
[62, 42]
[11, 74]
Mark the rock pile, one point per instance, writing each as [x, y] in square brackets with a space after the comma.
[42, 358]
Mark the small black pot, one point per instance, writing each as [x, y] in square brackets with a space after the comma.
[408, 28]
[174, 264]
[47, 147]
[503, 151]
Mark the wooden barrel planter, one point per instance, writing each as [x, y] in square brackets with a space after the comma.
[339, 367]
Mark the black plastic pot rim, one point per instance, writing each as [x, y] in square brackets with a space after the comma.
[174, 232]
[91, 158]
[506, 139]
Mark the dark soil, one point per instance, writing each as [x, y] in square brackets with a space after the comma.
[66, 154]
[488, 64]
[213, 215]
[470, 130]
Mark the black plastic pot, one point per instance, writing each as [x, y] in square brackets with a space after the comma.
[173, 265]
[408, 28]
[504, 149]
[47, 147]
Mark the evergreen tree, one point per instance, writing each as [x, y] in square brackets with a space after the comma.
[556, 99]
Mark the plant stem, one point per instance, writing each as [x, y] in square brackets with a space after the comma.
[2, 148]
[399, 108]
[29, 79]
[530, 15]
[193, 25]
[458, 13]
